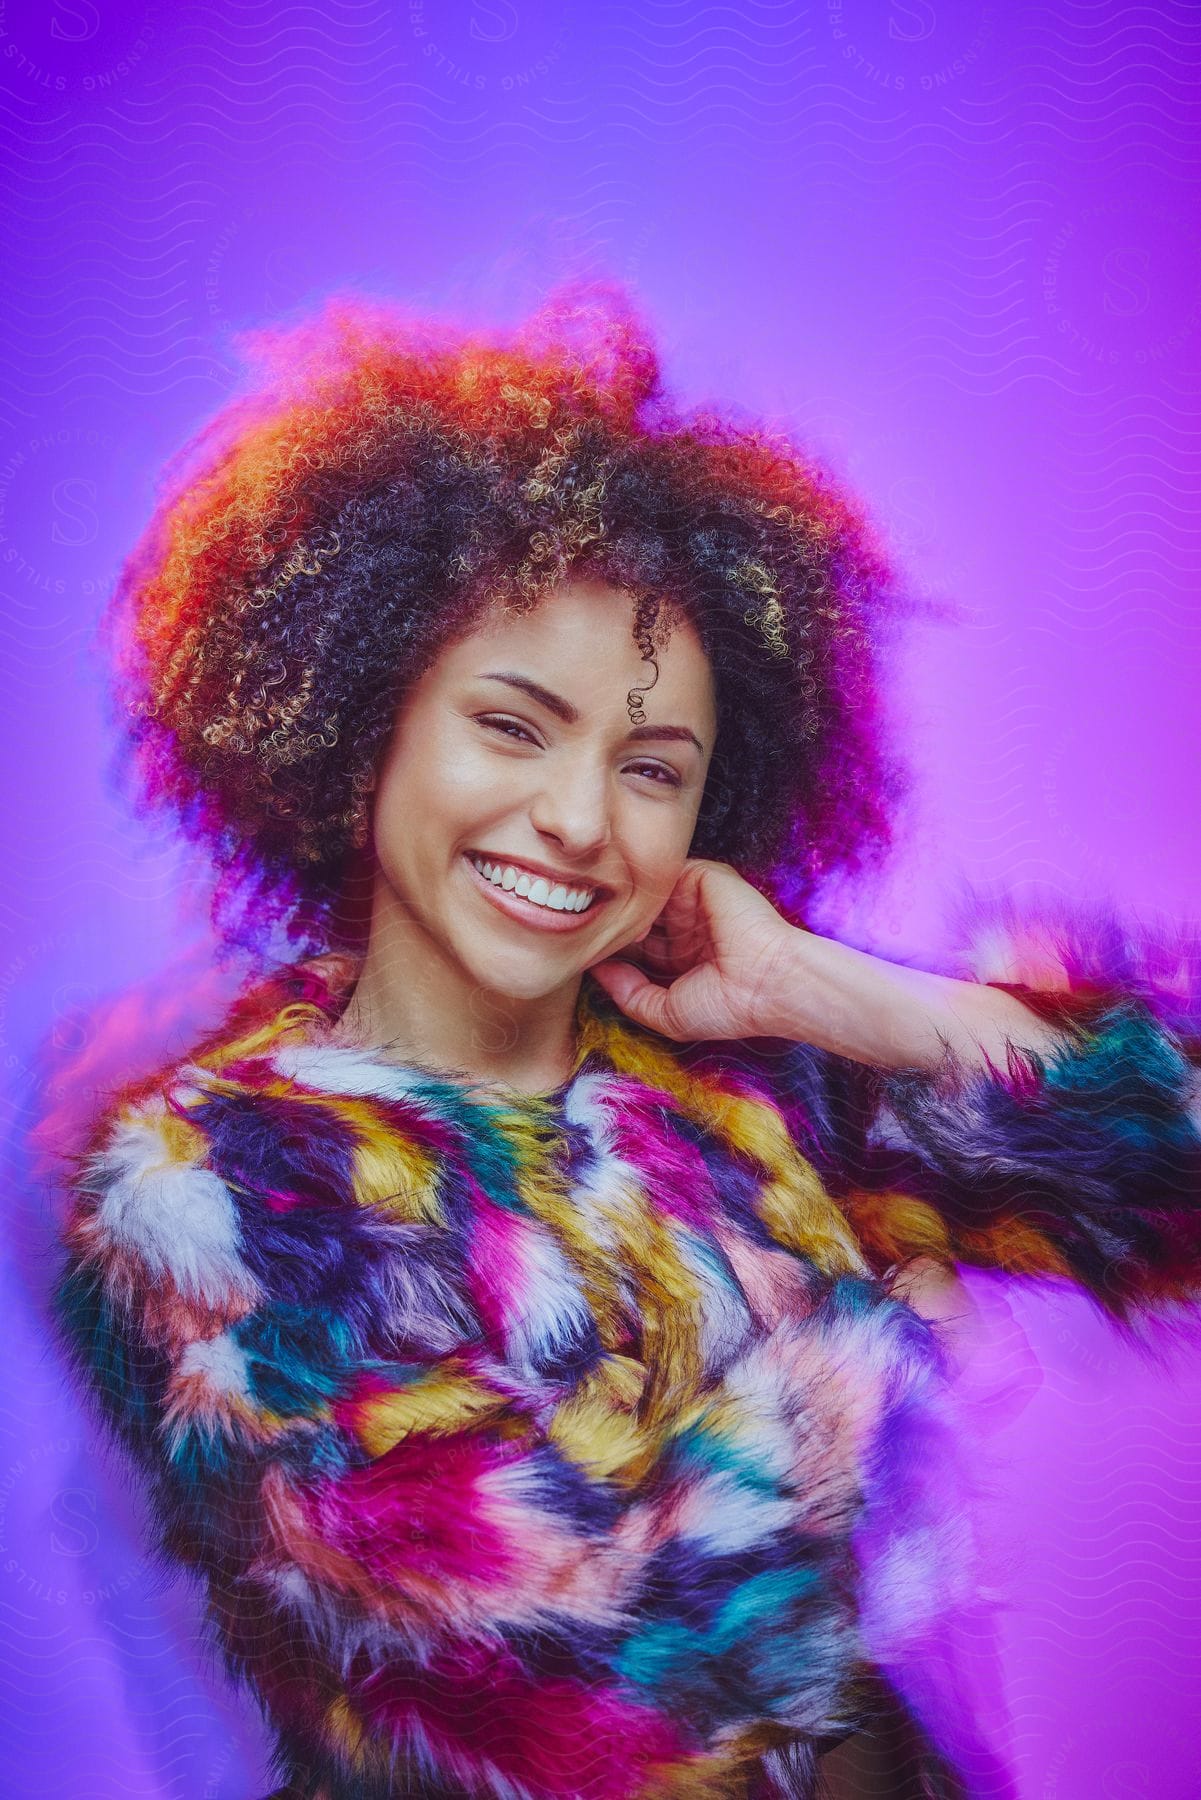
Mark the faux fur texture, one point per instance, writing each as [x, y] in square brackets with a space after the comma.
[574, 1447]
[1083, 1165]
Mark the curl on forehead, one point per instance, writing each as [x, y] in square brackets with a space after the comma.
[647, 627]
[578, 651]
[383, 478]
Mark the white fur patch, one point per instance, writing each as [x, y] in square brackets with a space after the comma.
[600, 1194]
[755, 1388]
[582, 1107]
[342, 1069]
[726, 1515]
[551, 1307]
[178, 1218]
[725, 1318]
[220, 1360]
[610, 1189]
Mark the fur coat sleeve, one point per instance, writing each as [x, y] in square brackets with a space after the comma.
[1084, 1164]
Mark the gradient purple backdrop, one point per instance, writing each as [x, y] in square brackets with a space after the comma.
[953, 245]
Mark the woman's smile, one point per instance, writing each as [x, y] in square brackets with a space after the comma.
[533, 901]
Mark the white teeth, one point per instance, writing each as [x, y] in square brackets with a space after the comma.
[536, 889]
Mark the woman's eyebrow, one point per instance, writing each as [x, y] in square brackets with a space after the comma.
[677, 733]
[563, 709]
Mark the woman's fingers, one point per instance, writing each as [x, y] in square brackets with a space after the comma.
[663, 957]
[635, 994]
[680, 935]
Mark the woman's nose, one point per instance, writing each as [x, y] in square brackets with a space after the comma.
[573, 806]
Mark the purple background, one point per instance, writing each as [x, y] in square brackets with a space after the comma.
[955, 246]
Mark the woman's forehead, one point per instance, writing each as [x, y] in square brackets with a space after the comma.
[577, 635]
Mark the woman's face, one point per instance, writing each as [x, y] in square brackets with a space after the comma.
[516, 750]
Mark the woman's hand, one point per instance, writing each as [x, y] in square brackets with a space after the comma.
[720, 962]
[711, 965]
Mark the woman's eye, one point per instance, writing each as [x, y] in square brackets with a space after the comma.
[659, 772]
[507, 726]
[517, 733]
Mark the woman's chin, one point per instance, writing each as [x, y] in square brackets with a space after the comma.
[525, 976]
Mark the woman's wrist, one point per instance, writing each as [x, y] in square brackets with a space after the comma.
[873, 1011]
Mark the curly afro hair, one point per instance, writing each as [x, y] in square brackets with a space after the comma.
[380, 480]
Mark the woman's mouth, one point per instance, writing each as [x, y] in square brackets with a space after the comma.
[533, 899]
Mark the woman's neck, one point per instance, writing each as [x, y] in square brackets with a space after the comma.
[417, 1003]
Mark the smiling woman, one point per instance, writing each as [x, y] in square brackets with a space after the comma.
[531, 1312]
[485, 826]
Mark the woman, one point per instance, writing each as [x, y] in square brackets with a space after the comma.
[531, 1310]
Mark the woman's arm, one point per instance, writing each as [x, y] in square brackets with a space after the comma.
[885, 1014]
[1040, 1113]
[1044, 1120]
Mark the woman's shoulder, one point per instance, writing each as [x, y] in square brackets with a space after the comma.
[121, 1101]
[144, 1175]
[223, 1206]
[145, 1213]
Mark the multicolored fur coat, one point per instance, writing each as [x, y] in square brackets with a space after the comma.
[577, 1447]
